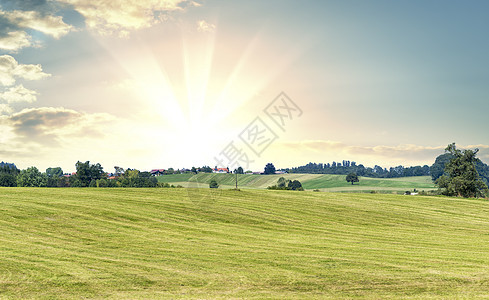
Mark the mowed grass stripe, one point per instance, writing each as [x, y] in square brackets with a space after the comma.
[151, 243]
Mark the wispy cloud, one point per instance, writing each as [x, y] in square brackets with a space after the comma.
[204, 26]
[122, 17]
[48, 125]
[379, 154]
[56, 135]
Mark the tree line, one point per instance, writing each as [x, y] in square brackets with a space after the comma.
[346, 167]
[86, 175]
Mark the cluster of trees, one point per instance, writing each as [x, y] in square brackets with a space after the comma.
[87, 175]
[269, 169]
[8, 174]
[204, 169]
[460, 176]
[347, 167]
[438, 167]
[93, 175]
[286, 184]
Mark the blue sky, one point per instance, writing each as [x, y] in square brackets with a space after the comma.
[157, 84]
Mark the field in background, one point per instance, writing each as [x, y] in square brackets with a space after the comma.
[323, 182]
[161, 243]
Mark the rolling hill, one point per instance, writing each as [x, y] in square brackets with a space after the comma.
[323, 182]
[170, 243]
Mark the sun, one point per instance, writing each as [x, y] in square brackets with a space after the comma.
[188, 92]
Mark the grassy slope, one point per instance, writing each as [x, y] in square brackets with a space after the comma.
[324, 182]
[148, 243]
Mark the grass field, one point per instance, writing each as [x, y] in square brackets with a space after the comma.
[161, 243]
[323, 182]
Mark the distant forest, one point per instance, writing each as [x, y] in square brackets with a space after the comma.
[346, 167]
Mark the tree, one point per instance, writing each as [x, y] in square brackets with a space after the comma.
[282, 183]
[295, 185]
[269, 169]
[460, 175]
[8, 180]
[118, 171]
[145, 174]
[239, 170]
[133, 178]
[85, 173]
[31, 177]
[8, 174]
[213, 184]
[438, 167]
[352, 177]
[206, 169]
[54, 172]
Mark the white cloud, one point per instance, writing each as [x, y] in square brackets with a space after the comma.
[18, 94]
[10, 69]
[15, 40]
[14, 25]
[121, 17]
[5, 109]
[204, 26]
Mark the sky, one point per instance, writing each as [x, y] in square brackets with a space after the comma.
[151, 84]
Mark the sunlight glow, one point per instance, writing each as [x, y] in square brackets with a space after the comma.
[184, 102]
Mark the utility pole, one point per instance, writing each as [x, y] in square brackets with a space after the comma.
[236, 171]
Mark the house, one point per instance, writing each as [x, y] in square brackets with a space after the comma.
[220, 170]
[157, 172]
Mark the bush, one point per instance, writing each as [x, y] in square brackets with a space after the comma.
[101, 183]
[295, 185]
[283, 184]
[213, 184]
[162, 185]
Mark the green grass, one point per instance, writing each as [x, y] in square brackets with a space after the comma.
[161, 243]
[324, 182]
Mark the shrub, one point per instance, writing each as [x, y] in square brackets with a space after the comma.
[213, 184]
